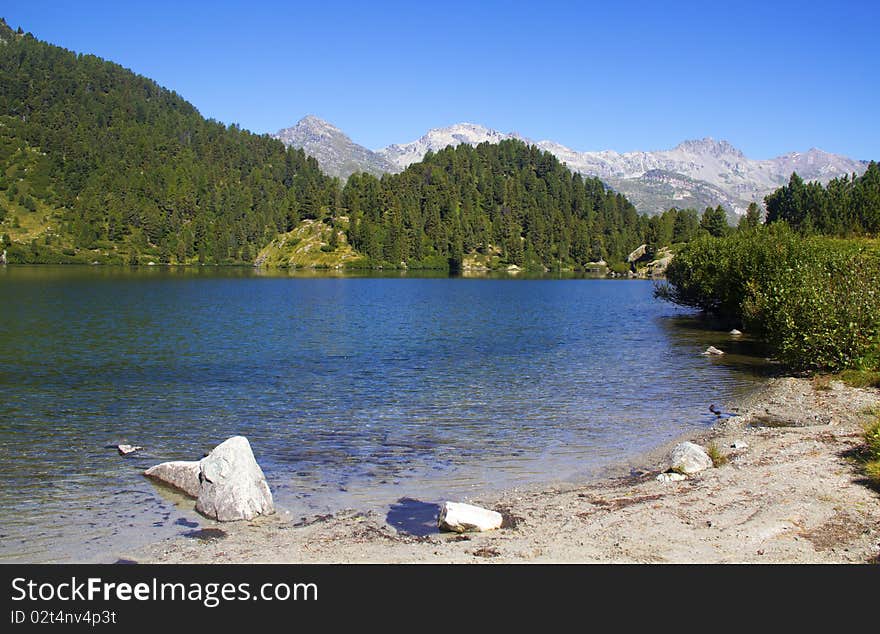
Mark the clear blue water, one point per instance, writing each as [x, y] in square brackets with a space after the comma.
[353, 392]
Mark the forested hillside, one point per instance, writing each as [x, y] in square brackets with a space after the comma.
[847, 206]
[98, 163]
[507, 196]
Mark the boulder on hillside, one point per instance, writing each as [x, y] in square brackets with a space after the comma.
[637, 254]
[232, 484]
[182, 475]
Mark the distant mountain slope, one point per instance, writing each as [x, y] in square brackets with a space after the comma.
[336, 153]
[697, 173]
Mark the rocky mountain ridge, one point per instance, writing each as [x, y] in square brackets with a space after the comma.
[696, 173]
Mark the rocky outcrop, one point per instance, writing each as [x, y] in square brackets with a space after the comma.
[688, 458]
[467, 518]
[182, 475]
[232, 484]
[637, 254]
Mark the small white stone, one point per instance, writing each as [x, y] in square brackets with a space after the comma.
[467, 518]
[671, 477]
[124, 450]
[735, 332]
[740, 444]
[713, 350]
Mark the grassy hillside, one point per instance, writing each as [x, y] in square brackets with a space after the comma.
[309, 246]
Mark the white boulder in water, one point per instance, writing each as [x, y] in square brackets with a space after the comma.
[467, 518]
[232, 484]
[688, 458]
[124, 450]
[180, 474]
[713, 350]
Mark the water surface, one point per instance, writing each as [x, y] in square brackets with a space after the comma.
[354, 392]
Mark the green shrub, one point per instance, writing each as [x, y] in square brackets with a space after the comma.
[860, 378]
[621, 268]
[872, 440]
[816, 300]
[718, 458]
[872, 450]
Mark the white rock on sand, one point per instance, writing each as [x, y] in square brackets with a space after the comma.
[466, 518]
[671, 477]
[233, 486]
[180, 474]
[688, 458]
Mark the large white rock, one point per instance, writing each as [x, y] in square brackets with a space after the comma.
[233, 486]
[180, 474]
[689, 458]
[467, 518]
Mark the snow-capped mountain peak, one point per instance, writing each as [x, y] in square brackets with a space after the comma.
[436, 139]
[695, 173]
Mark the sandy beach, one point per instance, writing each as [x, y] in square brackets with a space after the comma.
[792, 494]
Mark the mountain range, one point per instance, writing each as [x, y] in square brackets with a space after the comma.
[695, 173]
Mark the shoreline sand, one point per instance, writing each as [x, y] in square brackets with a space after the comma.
[793, 495]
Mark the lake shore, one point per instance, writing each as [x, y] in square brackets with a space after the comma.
[794, 494]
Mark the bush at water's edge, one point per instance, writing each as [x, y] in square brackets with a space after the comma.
[815, 300]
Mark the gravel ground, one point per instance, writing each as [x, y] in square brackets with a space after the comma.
[793, 495]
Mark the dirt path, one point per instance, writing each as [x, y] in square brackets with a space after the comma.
[793, 495]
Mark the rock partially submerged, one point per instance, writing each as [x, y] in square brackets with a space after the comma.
[125, 450]
[688, 458]
[228, 484]
[232, 484]
[735, 333]
[712, 350]
[467, 518]
[182, 475]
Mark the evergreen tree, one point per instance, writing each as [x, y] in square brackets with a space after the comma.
[715, 221]
[751, 219]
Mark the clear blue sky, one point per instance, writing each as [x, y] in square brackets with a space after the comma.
[769, 77]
